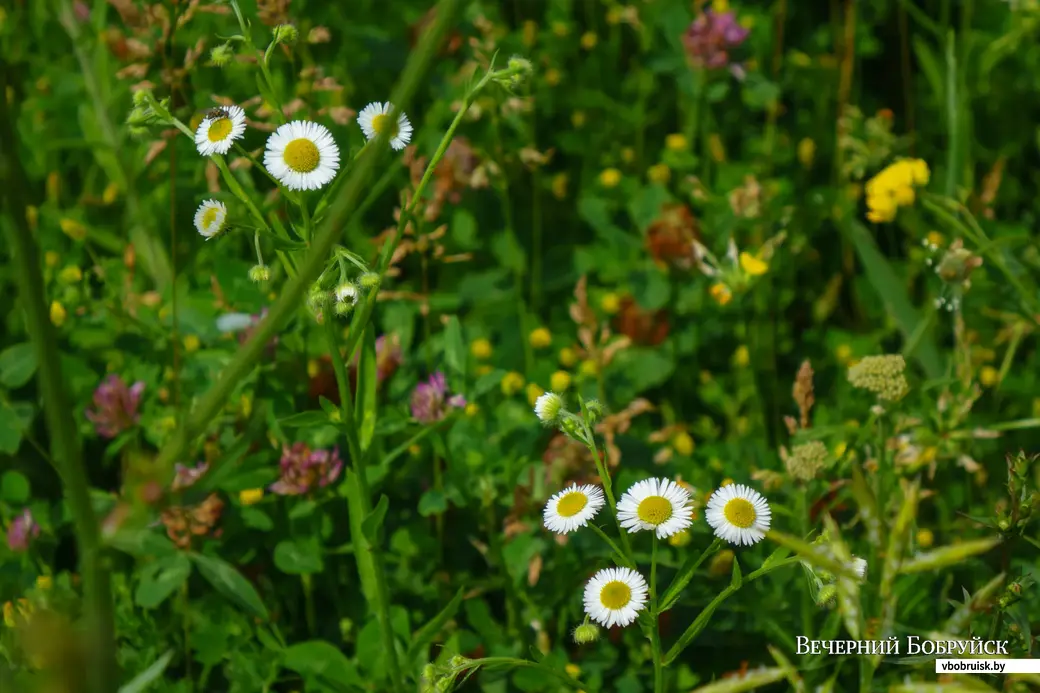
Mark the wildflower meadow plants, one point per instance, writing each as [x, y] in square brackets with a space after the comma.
[648, 346]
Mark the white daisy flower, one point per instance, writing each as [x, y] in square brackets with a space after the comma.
[375, 119]
[302, 155]
[738, 514]
[615, 596]
[548, 407]
[210, 218]
[219, 129]
[656, 504]
[859, 567]
[572, 507]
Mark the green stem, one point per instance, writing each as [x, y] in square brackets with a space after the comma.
[655, 635]
[604, 476]
[103, 674]
[806, 598]
[514, 663]
[613, 547]
[685, 574]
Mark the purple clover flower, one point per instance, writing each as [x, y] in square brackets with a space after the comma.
[710, 38]
[115, 406]
[187, 476]
[430, 401]
[22, 531]
[303, 470]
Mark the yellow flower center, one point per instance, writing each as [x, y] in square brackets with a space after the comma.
[654, 510]
[209, 216]
[301, 155]
[219, 129]
[615, 595]
[739, 513]
[383, 124]
[571, 504]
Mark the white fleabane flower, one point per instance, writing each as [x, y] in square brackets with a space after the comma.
[548, 407]
[615, 596]
[656, 504]
[375, 119]
[219, 130]
[572, 507]
[859, 567]
[210, 218]
[738, 514]
[302, 155]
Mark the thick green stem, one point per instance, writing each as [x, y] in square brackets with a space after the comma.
[103, 674]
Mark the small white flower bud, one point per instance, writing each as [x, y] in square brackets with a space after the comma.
[346, 293]
[548, 407]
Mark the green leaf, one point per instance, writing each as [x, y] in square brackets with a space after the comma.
[142, 543]
[374, 522]
[646, 204]
[454, 346]
[365, 408]
[892, 292]
[425, 635]
[321, 661]
[305, 418]
[299, 556]
[944, 556]
[230, 583]
[257, 519]
[17, 365]
[362, 546]
[149, 676]
[161, 578]
[433, 502]
[815, 555]
[694, 629]
[738, 578]
[464, 229]
[15, 418]
[685, 574]
[508, 252]
[747, 682]
[14, 487]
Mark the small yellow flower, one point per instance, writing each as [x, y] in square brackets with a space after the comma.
[245, 404]
[9, 615]
[839, 450]
[250, 496]
[589, 40]
[191, 343]
[806, 151]
[610, 303]
[533, 393]
[32, 216]
[73, 229]
[568, 357]
[553, 77]
[843, 353]
[589, 368]
[676, 142]
[572, 669]
[53, 186]
[721, 293]
[925, 538]
[480, 348]
[484, 369]
[313, 368]
[919, 172]
[540, 338]
[578, 119]
[741, 357]
[111, 194]
[753, 265]
[989, 376]
[166, 424]
[560, 381]
[530, 32]
[610, 177]
[614, 15]
[628, 155]
[659, 173]
[559, 186]
[726, 482]
[511, 383]
[683, 443]
[720, 6]
[472, 409]
[721, 563]
[561, 29]
[70, 275]
[58, 314]
[717, 149]
[44, 582]
[680, 538]
[51, 258]
[414, 449]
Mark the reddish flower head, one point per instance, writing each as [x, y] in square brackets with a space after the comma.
[115, 406]
[430, 401]
[710, 38]
[304, 470]
[22, 531]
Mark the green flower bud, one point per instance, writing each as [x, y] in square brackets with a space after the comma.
[285, 33]
[369, 280]
[586, 633]
[221, 55]
[595, 411]
[260, 274]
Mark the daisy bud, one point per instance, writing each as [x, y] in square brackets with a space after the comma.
[221, 55]
[548, 407]
[459, 662]
[595, 410]
[141, 98]
[285, 33]
[343, 308]
[572, 428]
[260, 274]
[318, 297]
[346, 293]
[369, 280]
[586, 633]
[826, 595]
[521, 65]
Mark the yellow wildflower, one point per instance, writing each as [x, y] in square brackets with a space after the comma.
[313, 368]
[540, 338]
[683, 443]
[472, 409]
[925, 538]
[680, 538]
[51, 258]
[843, 353]
[610, 303]
[58, 314]
[989, 376]
[726, 482]
[70, 275]
[659, 173]
[73, 229]
[578, 119]
[589, 368]
[676, 142]
[560, 381]
[530, 32]
[511, 383]
[610, 177]
[572, 669]
[721, 293]
[561, 29]
[553, 77]
[628, 155]
[250, 496]
[110, 194]
[568, 357]
[559, 186]
[741, 357]
[44, 582]
[589, 40]
[480, 348]
[533, 393]
[191, 343]
[806, 151]
[893, 187]
[720, 6]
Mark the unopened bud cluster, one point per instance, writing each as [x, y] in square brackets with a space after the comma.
[806, 460]
[1024, 506]
[882, 375]
[147, 112]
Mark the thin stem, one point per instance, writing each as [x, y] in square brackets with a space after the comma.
[604, 476]
[655, 635]
[103, 674]
[613, 547]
